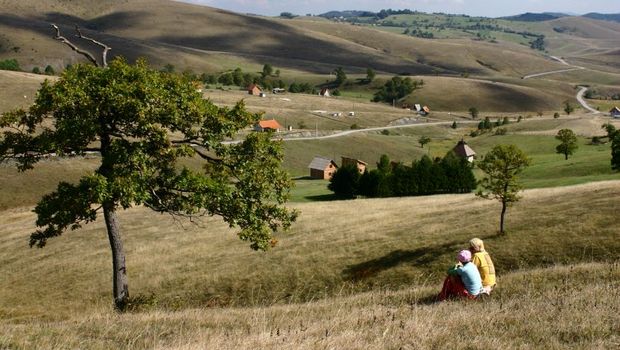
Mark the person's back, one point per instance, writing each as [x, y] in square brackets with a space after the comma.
[471, 278]
[485, 266]
[483, 261]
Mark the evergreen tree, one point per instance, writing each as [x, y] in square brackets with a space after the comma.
[345, 182]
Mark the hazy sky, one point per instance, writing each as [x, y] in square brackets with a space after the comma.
[490, 8]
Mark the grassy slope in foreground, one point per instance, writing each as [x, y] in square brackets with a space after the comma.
[554, 308]
[335, 248]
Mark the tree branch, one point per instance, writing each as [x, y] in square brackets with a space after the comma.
[196, 147]
[74, 47]
[105, 47]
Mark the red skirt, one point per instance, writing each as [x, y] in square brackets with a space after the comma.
[453, 287]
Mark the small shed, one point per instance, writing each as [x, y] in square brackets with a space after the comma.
[360, 165]
[254, 90]
[464, 151]
[267, 125]
[325, 92]
[615, 112]
[322, 168]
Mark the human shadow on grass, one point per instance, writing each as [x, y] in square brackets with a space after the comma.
[424, 256]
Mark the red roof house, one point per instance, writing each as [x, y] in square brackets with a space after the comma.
[267, 125]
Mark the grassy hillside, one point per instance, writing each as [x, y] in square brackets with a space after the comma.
[303, 45]
[19, 89]
[394, 249]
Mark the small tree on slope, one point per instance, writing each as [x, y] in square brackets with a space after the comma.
[568, 142]
[501, 166]
[128, 113]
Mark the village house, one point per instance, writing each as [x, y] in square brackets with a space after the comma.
[464, 151]
[615, 112]
[322, 168]
[360, 165]
[254, 90]
[267, 125]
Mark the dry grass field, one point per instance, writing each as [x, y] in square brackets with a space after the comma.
[19, 89]
[357, 274]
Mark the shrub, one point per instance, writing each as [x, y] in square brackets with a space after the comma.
[500, 131]
[10, 64]
[49, 70]
[556, 115]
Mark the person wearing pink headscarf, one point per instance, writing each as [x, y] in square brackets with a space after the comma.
[463, 279]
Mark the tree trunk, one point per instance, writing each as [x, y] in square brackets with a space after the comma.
[565, 156]
[501, 218]
[119, 273]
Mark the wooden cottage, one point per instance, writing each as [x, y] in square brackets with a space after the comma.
[322, 168]
[615, 112]
[267, 125]
[360, 165]
[464, 151]
[254, 90]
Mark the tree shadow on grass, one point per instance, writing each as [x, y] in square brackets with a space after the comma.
[423, 256]
[323, 198]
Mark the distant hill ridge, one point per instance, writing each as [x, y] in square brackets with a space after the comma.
[604, 16]
[535, 17]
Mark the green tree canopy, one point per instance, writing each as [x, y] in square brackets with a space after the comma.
[473, 111]
[396, 88]
[424, 140]
[267, 70]
[370, 74]
[502, 165]
[10, 64]
[341, 76]
[345, 182]
[129, 114]
[615, 151]
[568, 107]
[568, 142]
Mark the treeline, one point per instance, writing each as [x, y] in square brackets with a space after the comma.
[397, 88]
[451, 174]
[267, 79]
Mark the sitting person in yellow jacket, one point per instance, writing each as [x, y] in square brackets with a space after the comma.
[483, 261]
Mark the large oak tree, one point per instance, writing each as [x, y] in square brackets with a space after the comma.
[143, 123]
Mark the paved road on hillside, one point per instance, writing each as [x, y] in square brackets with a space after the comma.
[561, 60]
[583, 102]
[354, 131]
[581, 92]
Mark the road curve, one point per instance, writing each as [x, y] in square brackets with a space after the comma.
[583, 102]
[562, 61]
[349, 132]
